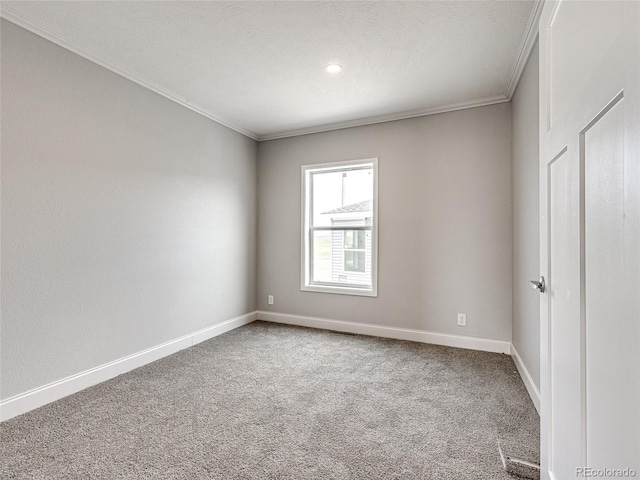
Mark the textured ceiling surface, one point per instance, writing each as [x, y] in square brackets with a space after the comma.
[259, 66]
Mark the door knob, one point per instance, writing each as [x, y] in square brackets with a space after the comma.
[538, 284]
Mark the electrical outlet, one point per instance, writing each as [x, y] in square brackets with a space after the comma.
[270, 299]
[462, 319]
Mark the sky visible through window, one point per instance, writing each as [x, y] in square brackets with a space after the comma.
[333, 190]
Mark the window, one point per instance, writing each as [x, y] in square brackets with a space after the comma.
[354, 251]
[339, 233]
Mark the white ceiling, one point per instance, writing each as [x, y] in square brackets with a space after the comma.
[258, 67]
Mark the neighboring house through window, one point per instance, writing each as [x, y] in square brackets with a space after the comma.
[339, 237]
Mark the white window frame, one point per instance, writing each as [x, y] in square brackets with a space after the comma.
[305, 284]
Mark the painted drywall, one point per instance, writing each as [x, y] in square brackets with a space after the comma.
[127, 220]
[444, 222]
[526, 232]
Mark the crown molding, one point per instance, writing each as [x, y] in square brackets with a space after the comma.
[45, 32]
[526, 46]
[452, 107]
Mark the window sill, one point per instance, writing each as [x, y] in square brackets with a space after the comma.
[362, 292]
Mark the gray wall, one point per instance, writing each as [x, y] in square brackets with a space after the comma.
[127, 220]
[445, 222]
[526, 235]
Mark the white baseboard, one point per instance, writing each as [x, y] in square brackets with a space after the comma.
[473, 343]
[40, 396]
[534, 393]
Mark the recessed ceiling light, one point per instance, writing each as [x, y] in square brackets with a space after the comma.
[333, 68]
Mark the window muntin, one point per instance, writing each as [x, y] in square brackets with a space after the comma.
[339, 227]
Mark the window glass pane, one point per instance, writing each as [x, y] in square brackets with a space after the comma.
[348, 239]
[354, 239]
[321, 256]
[354, 261]
[342, 197]
[332, 263]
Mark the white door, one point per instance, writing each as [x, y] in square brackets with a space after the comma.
[590, 237]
